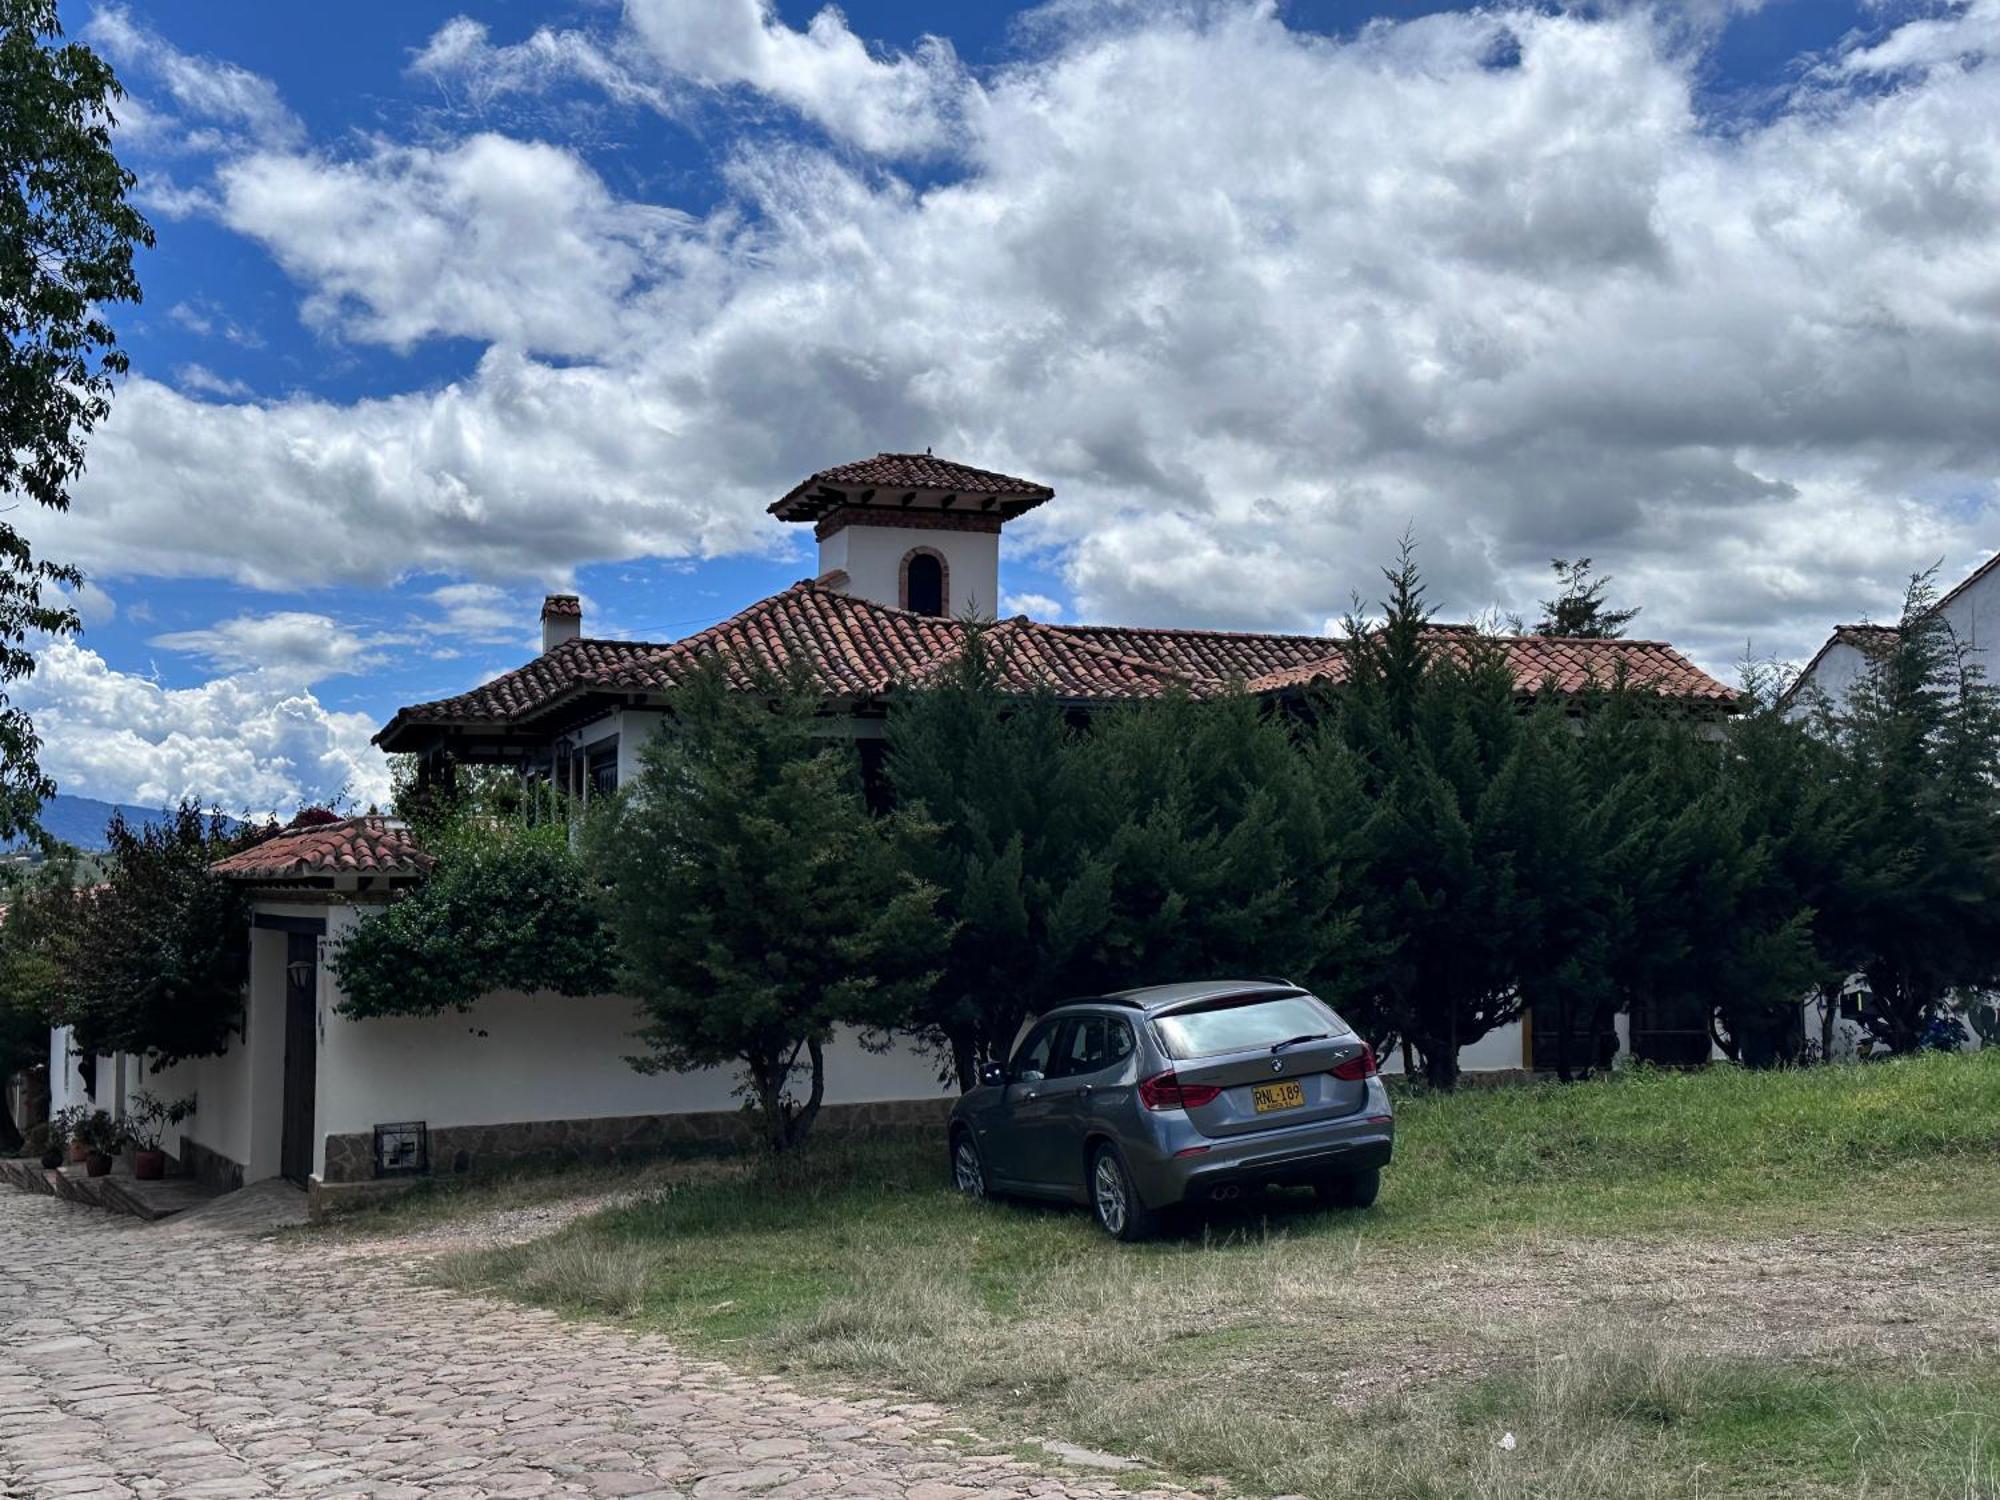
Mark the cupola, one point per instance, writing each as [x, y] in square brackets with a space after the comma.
[912, 530]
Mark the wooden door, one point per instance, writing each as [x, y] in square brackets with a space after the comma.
[295, 1155]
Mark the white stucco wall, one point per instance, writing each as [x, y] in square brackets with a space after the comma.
[1834, 674]
[515, 1057]
[872, 559]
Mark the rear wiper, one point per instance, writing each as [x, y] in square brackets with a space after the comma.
[1293, 1041]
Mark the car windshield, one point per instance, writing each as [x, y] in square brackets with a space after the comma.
[1242, 1025]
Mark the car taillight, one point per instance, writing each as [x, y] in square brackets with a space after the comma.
[1357, 1067]
[1165, 1091]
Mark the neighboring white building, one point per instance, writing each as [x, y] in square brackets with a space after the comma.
[909, 548]
[1972, 609]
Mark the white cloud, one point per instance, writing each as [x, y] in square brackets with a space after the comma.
[895, 104]
[494, 239]
[243, 743]
[1253, 300]
[221, 106]
[290, 646]
[204, 381]
[461, 59]
[479, 611]
[1034, 606]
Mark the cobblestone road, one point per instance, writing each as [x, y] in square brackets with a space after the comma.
[171, 1361]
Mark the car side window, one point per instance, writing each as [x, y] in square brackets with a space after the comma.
[1094, 1043]
[1036, 1052]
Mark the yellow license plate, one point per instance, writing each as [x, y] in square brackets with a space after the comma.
[1270, 1096]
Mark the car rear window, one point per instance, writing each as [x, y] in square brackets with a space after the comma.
[1242, 1025]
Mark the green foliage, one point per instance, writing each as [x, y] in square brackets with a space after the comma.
[1916, 745]
[149, 1117]
[509, 906]
[154, 959]
[35, 901]
[1168, 839]
[1578, 608]
[67, 233]
[1430, 720]
[757, 903]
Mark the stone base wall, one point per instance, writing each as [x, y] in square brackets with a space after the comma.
[476, 1148]
[209, 1167]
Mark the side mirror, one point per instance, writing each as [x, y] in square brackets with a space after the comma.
[993, 1076]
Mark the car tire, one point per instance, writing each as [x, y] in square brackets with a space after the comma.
[1114, 1201]
[968, 1167]
[1350, 1189]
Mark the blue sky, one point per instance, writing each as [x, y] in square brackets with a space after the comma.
[451, 307]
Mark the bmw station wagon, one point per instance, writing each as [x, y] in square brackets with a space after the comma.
[1144, 1100]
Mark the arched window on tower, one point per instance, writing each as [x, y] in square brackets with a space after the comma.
[923, 583]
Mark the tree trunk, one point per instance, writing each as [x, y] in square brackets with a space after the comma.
[965, 1058]
[1829, 1013]
[800, 1125]
[10, 1132]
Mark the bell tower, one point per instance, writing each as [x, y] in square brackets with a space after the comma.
[912, 531]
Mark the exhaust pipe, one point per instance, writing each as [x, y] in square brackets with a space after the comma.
[1227, 1191]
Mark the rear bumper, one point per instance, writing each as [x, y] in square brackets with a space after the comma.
[1322, 1149]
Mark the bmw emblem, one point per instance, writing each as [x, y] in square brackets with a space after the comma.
[1277, 1065]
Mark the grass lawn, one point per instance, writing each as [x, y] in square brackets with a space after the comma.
[1661, 1285]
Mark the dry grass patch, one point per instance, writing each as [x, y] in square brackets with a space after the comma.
[1717, 1284]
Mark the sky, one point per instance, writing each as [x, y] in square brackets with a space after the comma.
[451, 307]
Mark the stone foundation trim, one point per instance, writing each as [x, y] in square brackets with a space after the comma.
[209, 1167]
[350, 1157]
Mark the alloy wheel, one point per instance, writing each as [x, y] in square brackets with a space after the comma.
[1110, 1191]
[966, 1173]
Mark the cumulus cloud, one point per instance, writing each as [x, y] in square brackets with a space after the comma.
[1253, 300]
[894, 104]
[242, 743]
[494, 239]
[292, 646]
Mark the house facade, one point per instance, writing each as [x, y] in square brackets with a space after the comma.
[1972, 610]
[909, 551]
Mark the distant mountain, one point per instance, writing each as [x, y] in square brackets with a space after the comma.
[81, 820]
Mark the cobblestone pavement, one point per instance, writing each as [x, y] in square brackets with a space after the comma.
[182, 1361]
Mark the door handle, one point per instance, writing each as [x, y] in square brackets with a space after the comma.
[1032, 1094]
[1089, 1089]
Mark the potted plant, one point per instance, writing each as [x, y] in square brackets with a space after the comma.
[101, 1136]
[146, 1125]
[66, 1132]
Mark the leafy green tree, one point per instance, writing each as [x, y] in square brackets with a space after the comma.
[1230, 846]
[756, 902]
[1431, 717]
[153, 960]
[996, 822]
[509, 906]
[1918, 738]
[36, 901]
[1579, 607]
[67, 235]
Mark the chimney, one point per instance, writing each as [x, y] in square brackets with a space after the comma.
[562, 620]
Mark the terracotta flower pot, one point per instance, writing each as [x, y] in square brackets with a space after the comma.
[149, 1166]
[78, 1151]
[97, 1164]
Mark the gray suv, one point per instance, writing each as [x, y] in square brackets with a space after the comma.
[1146, 1099]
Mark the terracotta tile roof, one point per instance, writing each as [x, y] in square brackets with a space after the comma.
[1213, 655]
[858, 650]
[527, 688]
[350, 846]
[1032, 656]
[893, 474]
[562, 607]
[1568, 664]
